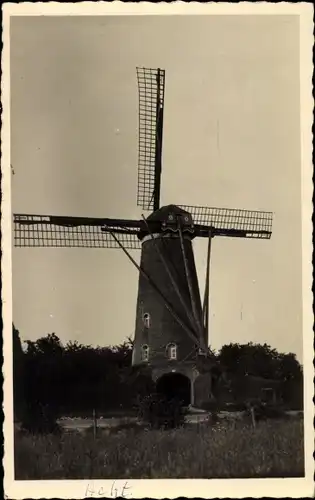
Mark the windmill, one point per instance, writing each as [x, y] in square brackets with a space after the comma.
[172, 323]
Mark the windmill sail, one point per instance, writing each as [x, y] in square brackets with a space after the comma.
[231, 222]
[151, 84]
[80, 232]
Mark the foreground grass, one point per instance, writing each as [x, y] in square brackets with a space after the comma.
[273, 449]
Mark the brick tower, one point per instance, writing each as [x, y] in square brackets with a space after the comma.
[161, 343]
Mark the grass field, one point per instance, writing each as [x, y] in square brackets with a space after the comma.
[226, 450]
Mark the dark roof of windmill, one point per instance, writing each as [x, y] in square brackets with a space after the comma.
[163, 212]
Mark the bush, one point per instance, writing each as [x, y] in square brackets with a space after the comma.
[266, 411]
[212, 406]
[40, 419]
[160, 412]
[217, 406]
[269, 411]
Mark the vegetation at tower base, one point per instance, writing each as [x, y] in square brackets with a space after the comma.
[53, 380]
[160, 413]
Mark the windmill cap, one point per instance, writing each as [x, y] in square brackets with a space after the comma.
[165, 221]
[169, 214]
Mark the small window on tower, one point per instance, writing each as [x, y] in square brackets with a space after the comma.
[147, 320]
[171, 351]
[145, 352]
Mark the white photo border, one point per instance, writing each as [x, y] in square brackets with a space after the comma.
[190, 488]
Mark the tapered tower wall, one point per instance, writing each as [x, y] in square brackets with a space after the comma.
[156, 328]
[160, 328]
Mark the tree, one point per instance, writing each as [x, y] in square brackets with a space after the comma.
[76, 378]
[250, 359]
[248, 365]
[42, 382]
[18, 374]
[288, 367]
[49, 345]
[291, 373]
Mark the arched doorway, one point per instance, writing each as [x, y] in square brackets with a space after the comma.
[174, 386]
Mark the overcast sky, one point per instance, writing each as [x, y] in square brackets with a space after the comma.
[231, 139]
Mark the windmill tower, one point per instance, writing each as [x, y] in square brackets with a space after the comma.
[171, 330]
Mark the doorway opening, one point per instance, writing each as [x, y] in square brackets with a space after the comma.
[174, 386]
